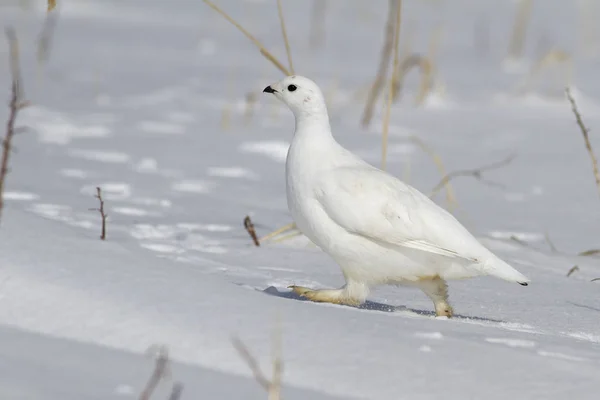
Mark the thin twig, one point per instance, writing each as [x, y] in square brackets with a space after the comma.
[15, 105]
[589, 252]
[450, 196]
[386, 52]
[273, 386]
[388, 105]
[160, 371]
[252, 363]
[285, 37]
[103, 214]
[586, 138]
[475, 173]
[550, 243]
[517, 40]
[254, 40]
[251, 231]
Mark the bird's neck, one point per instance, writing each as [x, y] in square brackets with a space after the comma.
[313, 128]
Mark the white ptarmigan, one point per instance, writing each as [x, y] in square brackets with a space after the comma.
[377, 228]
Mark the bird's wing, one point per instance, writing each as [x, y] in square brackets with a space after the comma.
[373, 204]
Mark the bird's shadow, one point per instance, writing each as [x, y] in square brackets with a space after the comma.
[376, 306]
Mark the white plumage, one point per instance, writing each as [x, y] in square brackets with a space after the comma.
[377, 228]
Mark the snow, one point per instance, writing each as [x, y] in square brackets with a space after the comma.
[132, 100]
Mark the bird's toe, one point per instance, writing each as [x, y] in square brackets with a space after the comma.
[300, 290]
[444, 310]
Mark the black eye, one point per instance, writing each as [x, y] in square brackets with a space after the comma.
[292, 88]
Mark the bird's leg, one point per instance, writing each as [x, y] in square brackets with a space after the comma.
[437, 290]
[351, 294]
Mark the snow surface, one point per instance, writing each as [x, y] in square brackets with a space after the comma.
[132, 100]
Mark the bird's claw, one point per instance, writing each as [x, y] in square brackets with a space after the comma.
[300, 290]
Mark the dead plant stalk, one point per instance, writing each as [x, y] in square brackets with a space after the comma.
[103, 214]
[386, 52]
[285, 37]
[160, 371]
[254, 40]
[16, 104]
[586, 137]
[272, 386]
[251, 231]
[388, 105]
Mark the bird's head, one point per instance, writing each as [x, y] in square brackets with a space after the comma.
[300, 94]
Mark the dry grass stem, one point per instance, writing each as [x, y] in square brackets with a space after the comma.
[103, 214]
[476, 173]
[450, 196]
[176, 391]
[425, 67]
[251, 99]
[16, 104]
[550, 243]
[549, 58]
[285, 37]
[286, 237]
[573, 269]
[591, 252]
[384, 61]
[251, 231]
[317, 23]
[161, 370]
[388, 103]
[45, 38]
[252, 363]
[586, 138]
[285, 228]
[517, 40]
[595, 279]
[51, 5]
[272, 386]
[256, 42]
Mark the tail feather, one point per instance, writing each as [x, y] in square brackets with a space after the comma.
[500, 269]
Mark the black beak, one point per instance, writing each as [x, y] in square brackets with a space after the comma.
[269, 89]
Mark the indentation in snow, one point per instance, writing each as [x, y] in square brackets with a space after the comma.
[161, 247]
[274, 149]
[20, 196]
[585, 336]
[112, 157]
[136, 212]
[73, 173]
[430, 335]
[124, 390]
[193, 186]
[232, 172]
[54, 127]
[149, 201]
[512, 342]
[205, 227]
[146, 165]
[559, 355]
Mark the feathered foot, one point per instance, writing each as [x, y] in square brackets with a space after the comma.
[335, 296]
[437, 290]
